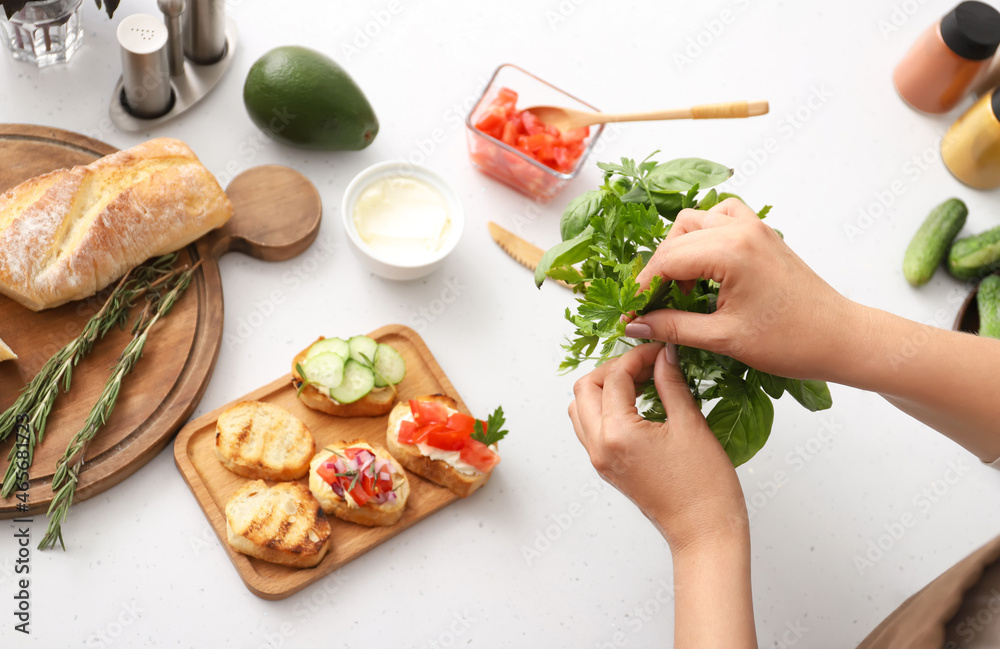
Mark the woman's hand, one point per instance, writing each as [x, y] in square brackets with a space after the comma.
[774, 313]
[676, 472]
[681, 478]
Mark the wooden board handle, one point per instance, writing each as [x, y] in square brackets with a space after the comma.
[276, 215]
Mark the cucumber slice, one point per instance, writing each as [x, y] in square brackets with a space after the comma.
[358, 381]
[338, 346]
[362, 346]
[325, 369]
[389, 365]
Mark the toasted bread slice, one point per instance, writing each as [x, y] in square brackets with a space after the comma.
[371, 513]
[439, 471]
[374, 404]
[261, 440]
[281, 524]
[6, 353]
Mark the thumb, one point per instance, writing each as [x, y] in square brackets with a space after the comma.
[701, 330]
[678, 402]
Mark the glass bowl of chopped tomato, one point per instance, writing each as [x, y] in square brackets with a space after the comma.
[511, 145]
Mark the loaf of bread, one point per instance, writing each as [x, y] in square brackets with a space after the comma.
[69, 233]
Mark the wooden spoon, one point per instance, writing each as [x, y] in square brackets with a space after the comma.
[567, 119]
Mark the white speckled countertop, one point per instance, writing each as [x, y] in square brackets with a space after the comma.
[546, 554]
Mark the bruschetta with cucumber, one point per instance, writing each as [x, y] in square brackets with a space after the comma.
[356, 377]
[432, 438]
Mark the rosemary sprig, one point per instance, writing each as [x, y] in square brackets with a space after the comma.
[67, 475]
[37, 398]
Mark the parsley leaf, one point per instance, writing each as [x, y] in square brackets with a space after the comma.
[494, 428]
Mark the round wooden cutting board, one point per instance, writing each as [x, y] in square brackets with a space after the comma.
[168, 382]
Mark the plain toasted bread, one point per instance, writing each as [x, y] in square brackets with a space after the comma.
[374, 404]
[6, 353]
[437, 471]
[371, 514]
[281, 524]
[261, 440]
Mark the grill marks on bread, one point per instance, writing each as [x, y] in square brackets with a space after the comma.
[260, 440]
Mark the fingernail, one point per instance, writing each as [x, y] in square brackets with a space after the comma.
[638, 330]
[670, 350]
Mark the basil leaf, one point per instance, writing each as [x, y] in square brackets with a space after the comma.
[684, 173]
[742, 424]
[814, 395]
[577, 214]
[773, 385]
[566, 253]
[709, 200]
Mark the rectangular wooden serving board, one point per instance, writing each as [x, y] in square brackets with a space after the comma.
[213, 484]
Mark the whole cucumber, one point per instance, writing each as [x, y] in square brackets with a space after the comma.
[989, 307]
[930, 244]
[976, 256]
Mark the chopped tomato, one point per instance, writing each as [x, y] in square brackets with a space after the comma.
[359, 494]
[384, 484]
[407, 431]
[428, 412]
[327, 472]
[479, 455]
[461, 422]
[523, 131]
[351, 453]
[444, 439]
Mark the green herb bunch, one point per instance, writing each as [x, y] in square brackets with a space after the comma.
[609, 234]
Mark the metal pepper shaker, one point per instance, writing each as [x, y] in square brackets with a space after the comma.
[205, 31]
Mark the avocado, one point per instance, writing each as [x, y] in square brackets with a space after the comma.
[301, 97]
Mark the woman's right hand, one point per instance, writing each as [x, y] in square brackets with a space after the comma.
[773, 313]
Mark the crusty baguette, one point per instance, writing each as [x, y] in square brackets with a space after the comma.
[437, 471]
[261, 440]
[374, 404]
[67, 234]
[281, 524]
[371, 514]
[6, 353]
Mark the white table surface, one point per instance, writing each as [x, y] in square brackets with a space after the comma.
[144, 568]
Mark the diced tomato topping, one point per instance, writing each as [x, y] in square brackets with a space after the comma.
[479, 455]
[462, 423]
[359, 494]
[327, 472]
[351, 453]
[544, 143]
[428, 412]
[407, 431]
[444, 439]
[384, 484]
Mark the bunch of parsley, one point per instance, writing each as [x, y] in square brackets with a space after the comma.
[609, 234]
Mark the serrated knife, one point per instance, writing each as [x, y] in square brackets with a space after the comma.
[523, 252]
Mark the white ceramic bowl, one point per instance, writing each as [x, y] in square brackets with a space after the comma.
[387, 267]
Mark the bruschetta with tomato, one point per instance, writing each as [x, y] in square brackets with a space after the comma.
[432, 438]
[359, 483]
